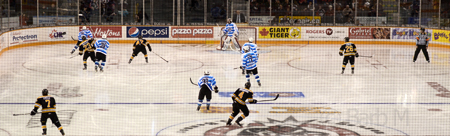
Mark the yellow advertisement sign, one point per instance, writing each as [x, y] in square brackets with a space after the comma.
[441, 36]
[279, 32]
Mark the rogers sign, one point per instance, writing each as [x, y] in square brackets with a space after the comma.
[360, 33]
[111, 32]
[192, 32]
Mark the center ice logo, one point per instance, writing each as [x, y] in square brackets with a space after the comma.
[133, 32]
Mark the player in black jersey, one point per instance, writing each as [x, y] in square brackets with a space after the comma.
[48, 111]
[348, 50]
[239, 97]
[139, 46]
[87, 46]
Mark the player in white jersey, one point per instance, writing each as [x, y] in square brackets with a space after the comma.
[253, 48]
[101, 45]
[249, 60]
[83, 33]
[206, 84]
[231, 33]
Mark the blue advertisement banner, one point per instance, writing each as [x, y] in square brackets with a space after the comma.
[148, 32]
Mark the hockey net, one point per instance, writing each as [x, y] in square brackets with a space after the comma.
[244, 34]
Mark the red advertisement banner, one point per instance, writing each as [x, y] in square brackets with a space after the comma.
[192, 32]
[369, 33]
[111, 32]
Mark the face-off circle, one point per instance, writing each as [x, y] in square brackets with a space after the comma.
[281, 126]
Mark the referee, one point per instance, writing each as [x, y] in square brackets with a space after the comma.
[422, 44]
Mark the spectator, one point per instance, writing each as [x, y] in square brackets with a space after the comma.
[140, 15]
[23, 20]
[215, 12]
[239, 17]
[4, 12]
[347, 12]
[254, 8]
[86, 14]
[109, 12]
[415, 8]
[301, 2]
[320, 11]
[329, 11]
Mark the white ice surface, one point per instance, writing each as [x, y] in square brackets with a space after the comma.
[388, 93]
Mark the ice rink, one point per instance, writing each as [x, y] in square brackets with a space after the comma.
[387, 95]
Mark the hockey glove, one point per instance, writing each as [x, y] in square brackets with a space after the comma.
[81, 53]
[216, 89]
[72, 51]
[356, 55]
[254, 101]
[149, 48]
[33, 113]
[340, 54]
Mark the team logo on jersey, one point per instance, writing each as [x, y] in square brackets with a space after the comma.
[280, 126]
[133, 32]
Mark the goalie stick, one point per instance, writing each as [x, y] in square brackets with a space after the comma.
[192, 82]
[270, 99]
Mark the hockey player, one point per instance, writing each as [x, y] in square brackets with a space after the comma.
[249, 60]
[348, 50]
[253, 48]
[139, 46]
[239, 97]
[422, 44]
[230, 33]
[206, 84]
[83, 33]
[101, 46]
[48, 111]
[87, 47]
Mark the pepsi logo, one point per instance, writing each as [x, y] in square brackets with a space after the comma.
[133, 32]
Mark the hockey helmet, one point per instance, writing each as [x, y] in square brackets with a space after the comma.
[45, 92]
[104, 36]
[422, 29]
[229, 20]
[206, 72]
[247, 85]
[139, 36]
[251, 39]
[84, 28]
[347, 39]
[246, 48]
[83, 37]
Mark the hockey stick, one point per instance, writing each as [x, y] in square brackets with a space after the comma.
[366, 56]
[161, 57]
[73, 38]
[23, 114]
[192, 82]
[271, 99]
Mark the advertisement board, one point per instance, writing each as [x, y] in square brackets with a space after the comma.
[148, 32]
[54, 19]
[191, 32]
[279, 32]
[57, 33]
[10, 22]
[369, 33]
[3, 41]
[370, 21]
[23, 36]
[323, 33]
[110, 31]
[260, 20]
[441, 36]
[408, 33]
[300, 19]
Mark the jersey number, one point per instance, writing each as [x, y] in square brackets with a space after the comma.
[241, 95]
[349, 49]
[48, 103]
[102, 45]
[250, 59]
[205, 80]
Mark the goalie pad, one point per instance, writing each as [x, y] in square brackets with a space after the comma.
[227, 43]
